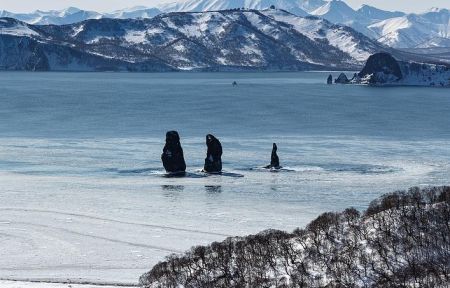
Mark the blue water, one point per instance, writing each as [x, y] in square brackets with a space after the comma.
[264, 104]
[80, 161]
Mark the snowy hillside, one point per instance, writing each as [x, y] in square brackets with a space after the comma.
[400, 241]
[35, 48]
[344, 38]
[132, 13]
[232, 39]
[16, 28]
[431, 29]
[336, 12]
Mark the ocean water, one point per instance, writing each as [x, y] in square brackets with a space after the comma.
[83, 195]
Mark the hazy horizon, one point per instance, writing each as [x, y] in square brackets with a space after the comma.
[101, 5]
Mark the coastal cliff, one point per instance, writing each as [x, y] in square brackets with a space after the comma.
[384, 69]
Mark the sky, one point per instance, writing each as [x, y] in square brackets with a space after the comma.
[110, 5]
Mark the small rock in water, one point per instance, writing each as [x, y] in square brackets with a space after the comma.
[274, 160]
[172, 156]
[356, 79]
[342, 79]
[330, 79]
[213, 161]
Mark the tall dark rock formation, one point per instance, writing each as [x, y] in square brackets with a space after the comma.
[342, 79]
[213, 161]
[172, 157]
[330, 79]
[274, 160]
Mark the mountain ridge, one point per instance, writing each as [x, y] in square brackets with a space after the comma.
[217, 40]
[387, 27]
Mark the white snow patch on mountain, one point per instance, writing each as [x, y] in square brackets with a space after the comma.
[316, 28]
[336, 12]
[135, 37]
[345, 42]
[414, 30]
[16, 29]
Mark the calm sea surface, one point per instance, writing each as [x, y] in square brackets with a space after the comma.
[83, 194]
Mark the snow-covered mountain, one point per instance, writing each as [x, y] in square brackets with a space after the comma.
[58, 17]
[132, 13]
[336, 12]
[37, 48]
[72, 15]
[392, 28]
[375, 14]
[297, 7]
[310, 5]
[430, 29]
[395, 29]
[229, 39]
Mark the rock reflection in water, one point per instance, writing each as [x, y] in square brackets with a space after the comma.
[172, 191]
[213, 189]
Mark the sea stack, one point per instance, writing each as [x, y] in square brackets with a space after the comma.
[213, 161]
[330, 79]
[274, 160]
[342, 79]
[356, 79]
[172, 156]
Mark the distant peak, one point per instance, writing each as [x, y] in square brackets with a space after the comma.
[335, 4]
[71, 9]
[437, 10]
[365, 7]
[131, 9]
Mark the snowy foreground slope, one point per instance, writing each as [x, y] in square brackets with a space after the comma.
[402, 240]
[230, 39]
[383, 69]
[43, 284]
